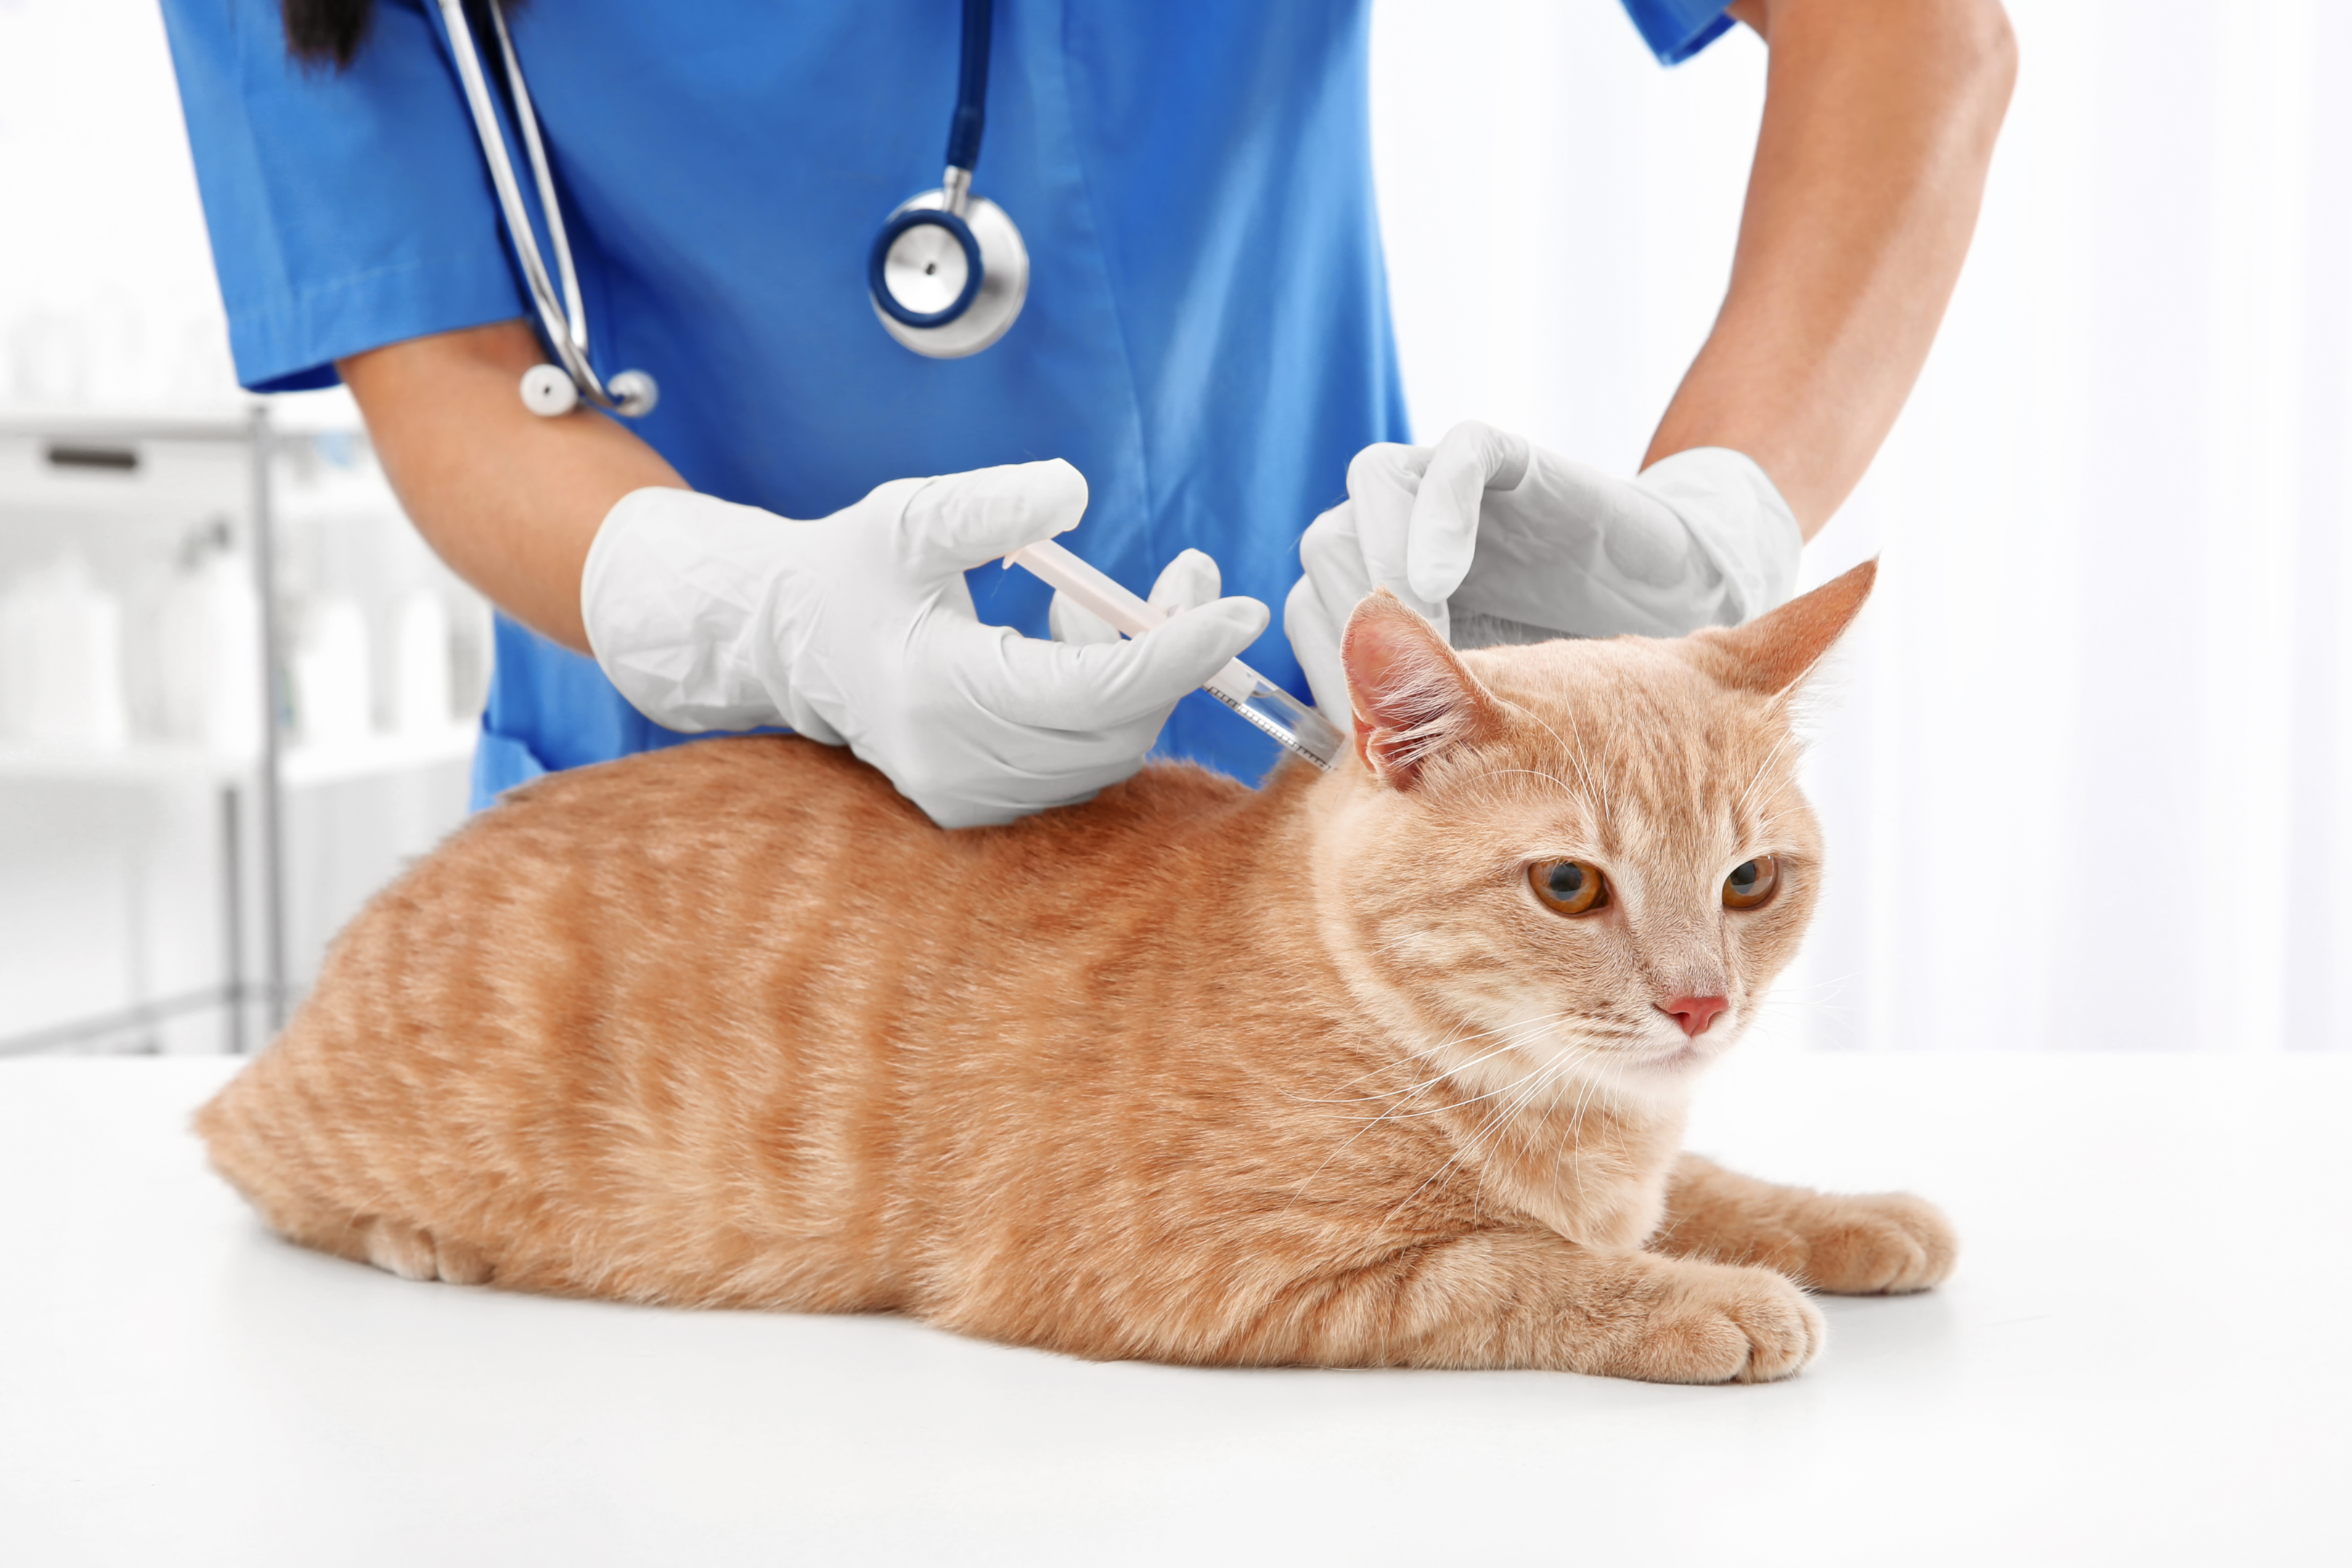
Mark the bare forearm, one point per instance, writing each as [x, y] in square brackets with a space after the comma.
[1879, 122]
[509, 500]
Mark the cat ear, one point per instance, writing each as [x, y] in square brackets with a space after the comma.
[1413, 698]
[1774, 653]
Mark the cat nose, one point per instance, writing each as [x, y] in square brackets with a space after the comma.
[1694, 1013]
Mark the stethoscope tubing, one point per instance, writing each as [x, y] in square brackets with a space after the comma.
[970, 116]
[926, 332]
[564, 322]
[563, 319]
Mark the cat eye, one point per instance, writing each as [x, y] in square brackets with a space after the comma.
[1751, 883]
[1568, 887]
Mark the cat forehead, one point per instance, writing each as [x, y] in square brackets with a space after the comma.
[1635, 689]
[1648, 726]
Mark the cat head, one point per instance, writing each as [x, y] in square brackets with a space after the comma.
[1590, 856]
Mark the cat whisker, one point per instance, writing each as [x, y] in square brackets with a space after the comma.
[1454, 1072]
[1505, 1049]
[1468, 1147]
[1444, 1045]
[1576, 755]
[1492, 1125]
[1491, 1134]
[1513, 1029]
[1398, 1113]
[1787, 735]
[1574, 1143]
[1565, 787]
[1403, 1098]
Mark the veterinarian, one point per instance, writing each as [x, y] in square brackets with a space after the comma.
[1202, 358]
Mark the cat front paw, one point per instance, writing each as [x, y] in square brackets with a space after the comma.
[1887, 1244]
[1721, 1323]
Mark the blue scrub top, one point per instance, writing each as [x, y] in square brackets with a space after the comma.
[1206, 335]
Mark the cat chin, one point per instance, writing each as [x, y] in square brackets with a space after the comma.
[1652, 1081]
[1677, 1063]
[1685, 1059]
[1642, 1076]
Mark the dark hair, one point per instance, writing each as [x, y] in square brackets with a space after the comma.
[318, 31]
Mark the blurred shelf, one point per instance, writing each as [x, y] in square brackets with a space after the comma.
[299, 766]
[140, 763]
[50, 456]
[39, 425]
[376, 754]
[330, 411]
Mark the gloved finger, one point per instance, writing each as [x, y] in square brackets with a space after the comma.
[1337, 574]
[1314, 630]
[960, 521]
[1189, 580]
[1071, 622]
[1382, 481]
[1443, 535]
[1055, 686]
[1620, 533]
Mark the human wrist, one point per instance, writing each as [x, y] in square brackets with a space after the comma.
[1738, 517]
[677, 596]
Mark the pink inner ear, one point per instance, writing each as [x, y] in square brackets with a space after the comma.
[1413, 698]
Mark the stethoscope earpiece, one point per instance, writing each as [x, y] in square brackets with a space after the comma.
[634, 394]
[548, 390]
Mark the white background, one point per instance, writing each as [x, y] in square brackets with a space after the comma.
[2091, 782]
[2087, 784]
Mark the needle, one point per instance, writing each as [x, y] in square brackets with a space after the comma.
[1295, 725]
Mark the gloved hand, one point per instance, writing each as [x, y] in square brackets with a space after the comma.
[1191, 580]
[1495, 541]
[858, 629]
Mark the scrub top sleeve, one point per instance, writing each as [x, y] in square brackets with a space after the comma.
[348, 209]
[1677, 29]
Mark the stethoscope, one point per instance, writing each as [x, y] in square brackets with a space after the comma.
[948, 274]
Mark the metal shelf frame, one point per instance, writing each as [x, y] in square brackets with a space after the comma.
[104, 442]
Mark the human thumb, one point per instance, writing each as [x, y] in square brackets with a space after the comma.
[1099, 686]
[1171, 660]
[1189, 580]
[960, 521]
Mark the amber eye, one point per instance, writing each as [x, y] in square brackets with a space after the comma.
[1751, 883]
[1568, 887]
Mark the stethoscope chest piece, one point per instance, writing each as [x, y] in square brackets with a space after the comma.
[948, 273]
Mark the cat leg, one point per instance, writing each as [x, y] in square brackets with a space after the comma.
[396, 1247]
[1533, 1299]
[1885, 1243]
[415, 1253]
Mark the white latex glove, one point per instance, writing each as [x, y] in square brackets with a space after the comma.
[1191, 580]
[1495, 540]
[858, 629]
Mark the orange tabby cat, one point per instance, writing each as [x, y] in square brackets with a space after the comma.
[1381, 1067]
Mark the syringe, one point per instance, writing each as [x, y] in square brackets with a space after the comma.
[1290, 721]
